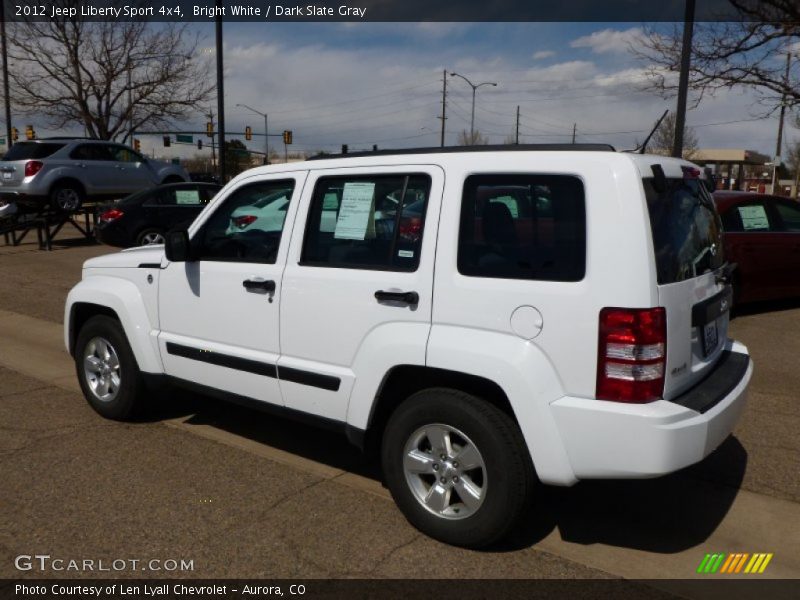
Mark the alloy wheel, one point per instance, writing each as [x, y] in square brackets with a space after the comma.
[101, 369]
[445, 471]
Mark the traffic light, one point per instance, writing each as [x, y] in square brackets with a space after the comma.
[137, 145]
[210, 129]
[287, 137]
[248, 133]
[14, 134]
[167, 141]
[30, 134]
[199, 144]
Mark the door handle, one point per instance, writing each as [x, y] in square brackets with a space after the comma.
[259, 285]
[404, 297]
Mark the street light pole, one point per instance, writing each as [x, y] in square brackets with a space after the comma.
[474, 89]
[266, 130]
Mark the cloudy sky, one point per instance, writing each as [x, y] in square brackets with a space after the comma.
[381, 83]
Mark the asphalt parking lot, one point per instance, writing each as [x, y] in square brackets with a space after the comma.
[246, 495]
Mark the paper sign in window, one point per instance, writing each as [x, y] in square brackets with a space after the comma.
[357, 213]
[753, 217]
[187, 197]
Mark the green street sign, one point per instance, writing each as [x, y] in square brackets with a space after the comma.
[186, 139]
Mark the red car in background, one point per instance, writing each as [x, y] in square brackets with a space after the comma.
[762, 235]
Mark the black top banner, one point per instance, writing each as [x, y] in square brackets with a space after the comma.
[256, 11]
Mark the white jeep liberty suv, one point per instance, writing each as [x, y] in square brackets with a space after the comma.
[483, 319]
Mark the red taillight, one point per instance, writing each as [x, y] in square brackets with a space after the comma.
[244, 221]
[632, 354]
[690, 172]
[111, 215]
[411, 229]
[32, 167]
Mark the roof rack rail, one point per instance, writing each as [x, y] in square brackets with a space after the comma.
[483, 148]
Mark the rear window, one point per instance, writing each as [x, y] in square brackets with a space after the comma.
[687, 231]
[31, 150]
[523, 227]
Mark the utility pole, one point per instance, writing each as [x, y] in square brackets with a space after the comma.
[444, 104]
[574, 131]
[516, 136]
[683, 80]
[4, 51]
[779, 144]
[220, 96]
[210, 116]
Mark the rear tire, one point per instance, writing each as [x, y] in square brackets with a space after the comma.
[472, 503]
[107, 371]
[150, 236]
[66, 198]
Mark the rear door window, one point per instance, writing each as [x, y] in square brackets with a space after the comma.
[523, 227]
[687, 231]
[31, 150]
[367, 222]
[92, 152]
[789, 214]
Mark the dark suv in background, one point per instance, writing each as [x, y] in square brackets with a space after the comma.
[65, 172]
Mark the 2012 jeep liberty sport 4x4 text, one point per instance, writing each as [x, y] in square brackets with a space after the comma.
[482, 320]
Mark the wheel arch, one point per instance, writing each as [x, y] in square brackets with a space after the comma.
[122, 301]
[173, 179]
[402, 381]
[68, 180]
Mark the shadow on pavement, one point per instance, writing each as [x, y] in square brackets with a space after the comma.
[326, 447]
[765, 306]
[667, 514]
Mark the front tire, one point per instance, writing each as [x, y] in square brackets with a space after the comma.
[107, 371]
[457, 467]
[66, 198]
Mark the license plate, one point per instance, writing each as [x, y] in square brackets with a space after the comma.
[6, 175]
[710, 337]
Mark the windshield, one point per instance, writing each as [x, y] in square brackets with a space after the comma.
[687, 232]
[29, 150]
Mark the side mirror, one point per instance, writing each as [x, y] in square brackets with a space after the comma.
[177, 246]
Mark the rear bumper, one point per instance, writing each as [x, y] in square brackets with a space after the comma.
[617, 440]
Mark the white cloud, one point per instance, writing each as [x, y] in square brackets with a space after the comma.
[608, 40]
[541, 54]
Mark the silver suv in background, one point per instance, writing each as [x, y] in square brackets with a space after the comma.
[65, 172]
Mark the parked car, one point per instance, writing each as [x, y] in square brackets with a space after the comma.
[63, 173]
[762, 236]
[7, 209]
[143, 218]
[475, 355]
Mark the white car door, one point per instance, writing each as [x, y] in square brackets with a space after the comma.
[358, 281]
[219, 313]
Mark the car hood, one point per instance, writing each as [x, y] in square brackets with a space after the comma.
[129, 258]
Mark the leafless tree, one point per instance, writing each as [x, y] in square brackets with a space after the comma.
[106, 77]
[661, 142]
[743, 53]
[476, 138]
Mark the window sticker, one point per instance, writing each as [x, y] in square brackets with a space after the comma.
[753, 217]
[405, 253]
[357, 213]
[187, 197]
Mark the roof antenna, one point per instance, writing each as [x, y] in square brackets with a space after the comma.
[652, 131]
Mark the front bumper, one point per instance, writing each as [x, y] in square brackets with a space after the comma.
[618, 440]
